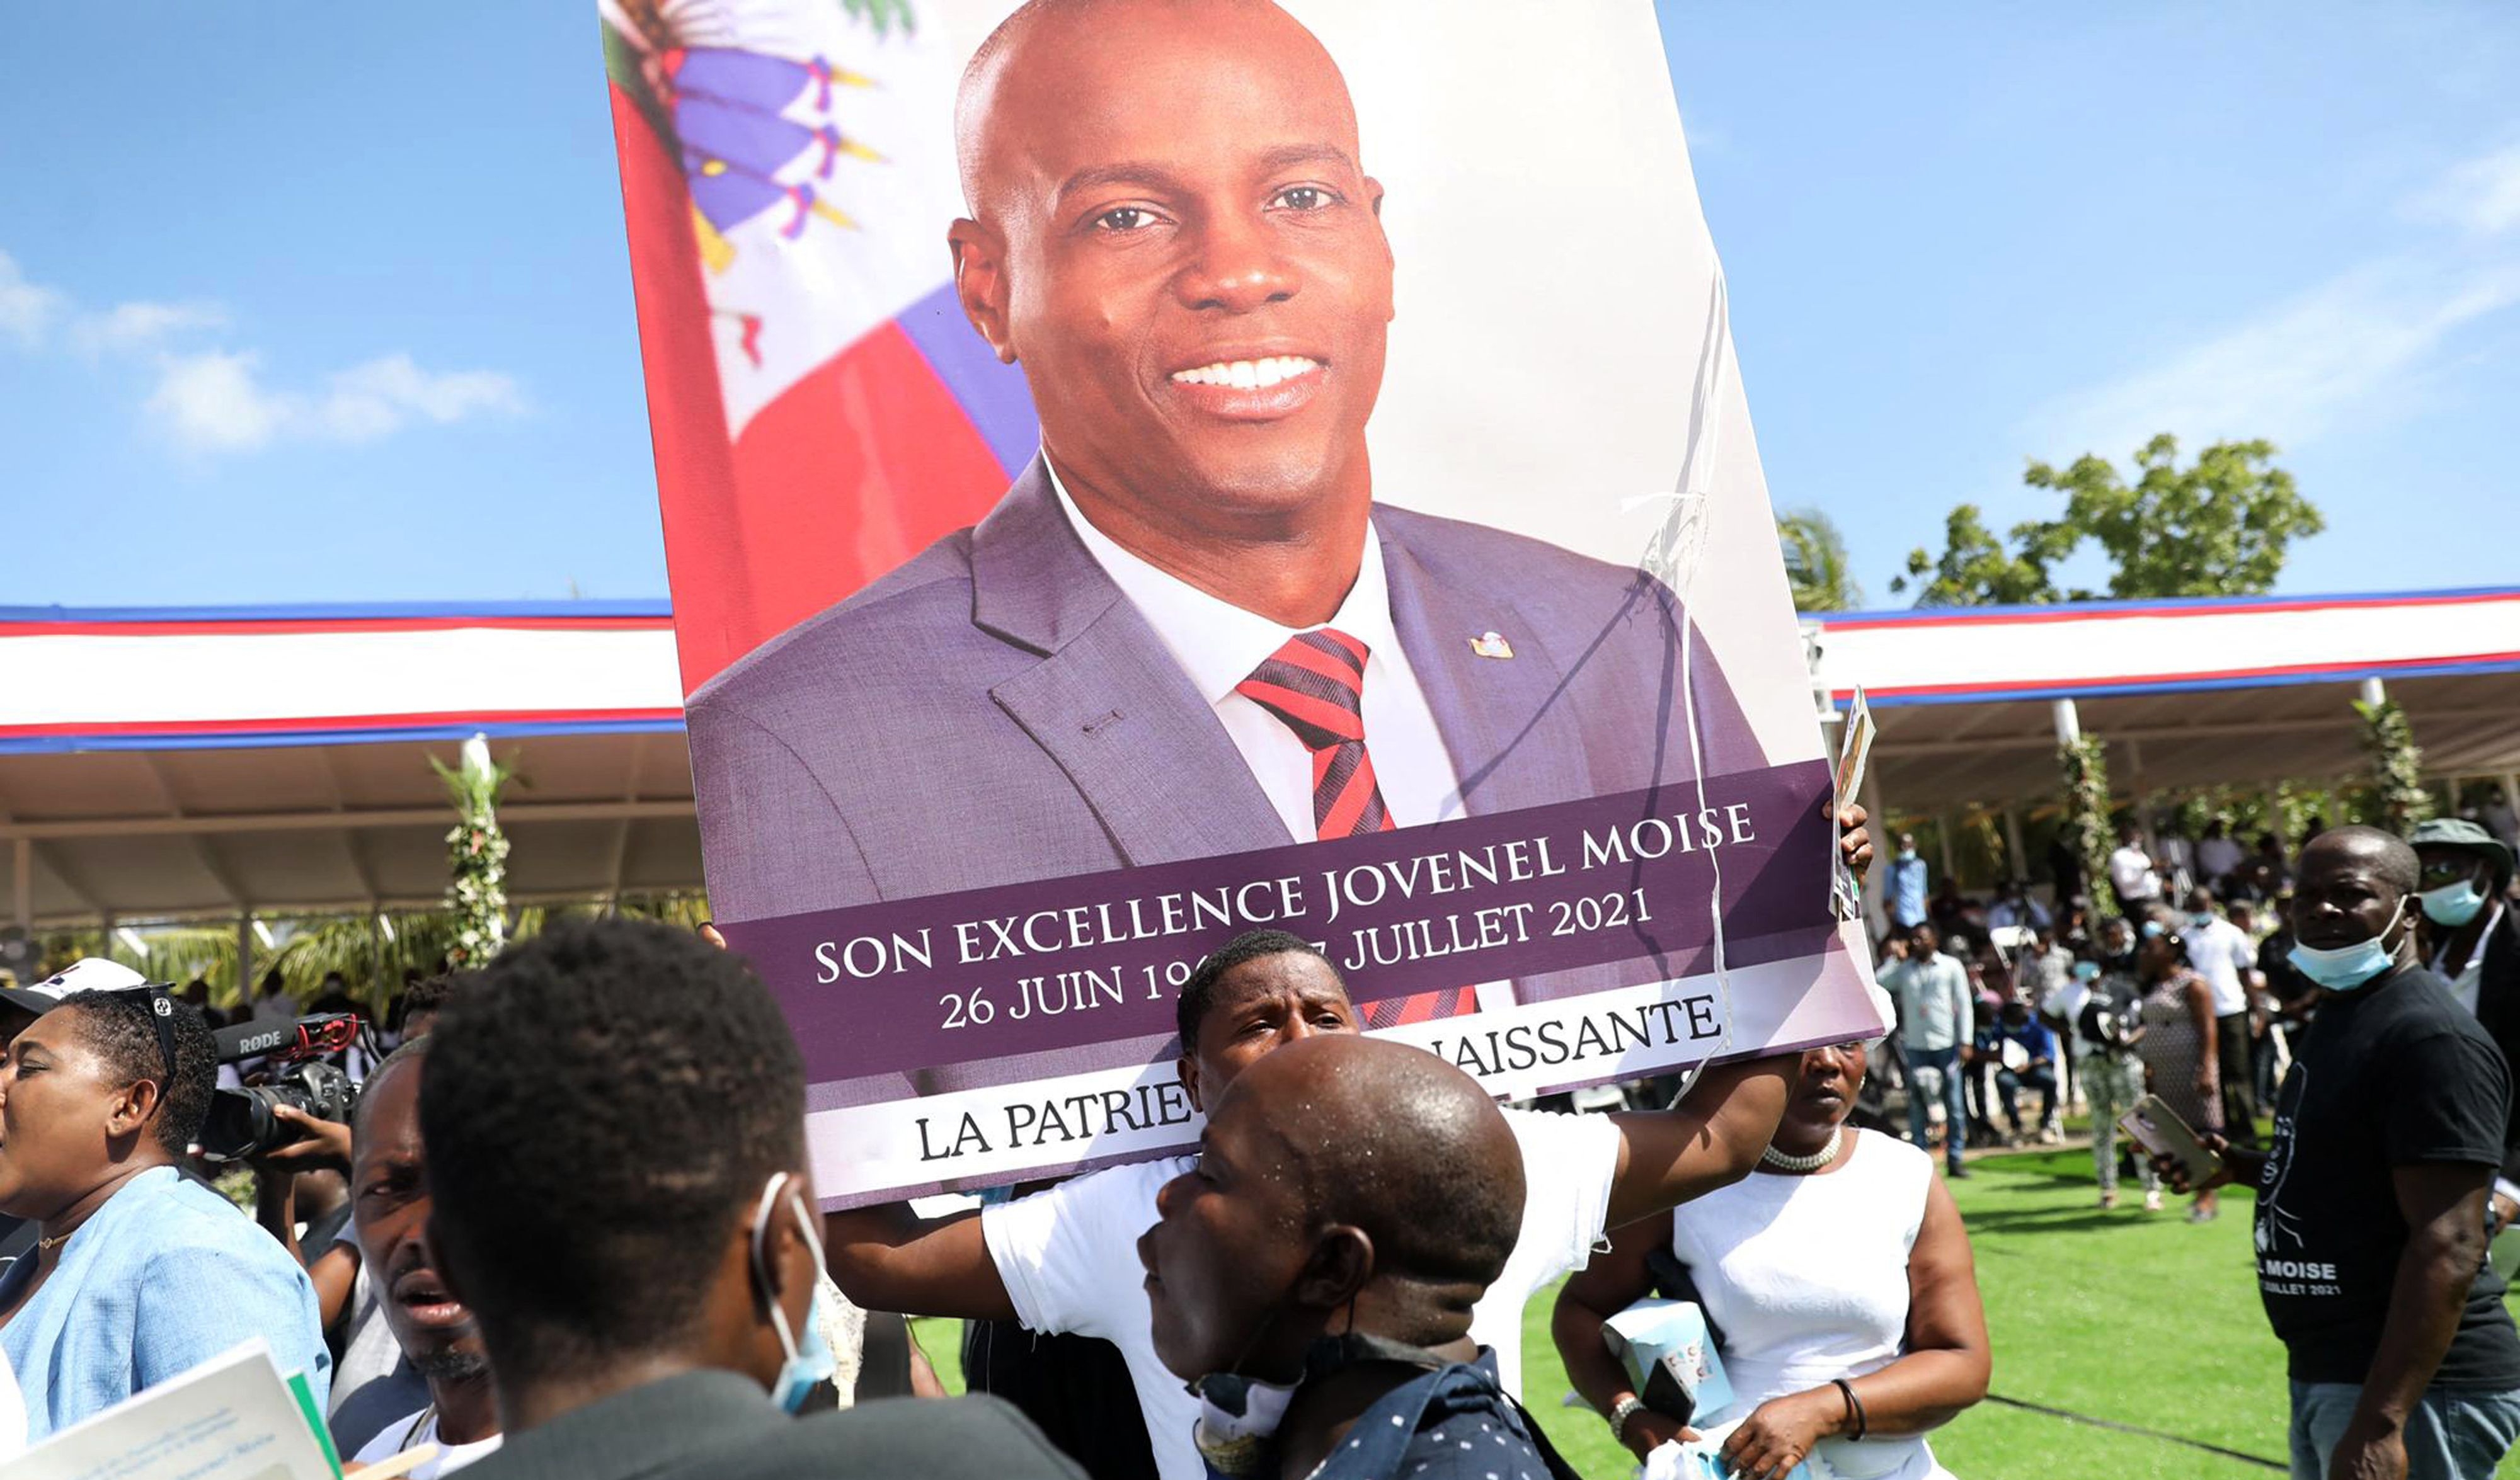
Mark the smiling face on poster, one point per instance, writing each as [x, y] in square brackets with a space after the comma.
[1140, 470]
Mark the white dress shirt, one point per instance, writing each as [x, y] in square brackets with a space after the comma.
[2469, 979]
[1218, 643]
[2224, 955]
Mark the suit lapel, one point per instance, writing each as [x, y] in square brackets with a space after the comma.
[1107, 702]
[1512, 732]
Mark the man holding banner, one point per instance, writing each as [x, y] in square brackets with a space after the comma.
[1065, 1259]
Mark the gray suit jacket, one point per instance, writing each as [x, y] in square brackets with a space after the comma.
[720, 1426]
[995, 711]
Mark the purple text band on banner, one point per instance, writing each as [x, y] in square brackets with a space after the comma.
[1561, 899]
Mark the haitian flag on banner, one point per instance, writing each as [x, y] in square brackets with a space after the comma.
[810, 375]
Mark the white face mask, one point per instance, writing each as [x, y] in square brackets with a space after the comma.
[1234, 1444]
[809, 1359]
[2349, 968]
[2454, 904]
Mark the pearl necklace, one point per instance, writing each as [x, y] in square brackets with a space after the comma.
[1805, 1164]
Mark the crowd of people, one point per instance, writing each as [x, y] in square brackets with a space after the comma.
[2335, 1026]
[576, 1231]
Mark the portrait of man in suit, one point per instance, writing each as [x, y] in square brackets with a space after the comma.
[1194, 625]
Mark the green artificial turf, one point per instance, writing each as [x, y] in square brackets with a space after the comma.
[2138, 1319]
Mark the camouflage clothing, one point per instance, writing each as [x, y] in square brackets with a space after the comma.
[2114, 1082]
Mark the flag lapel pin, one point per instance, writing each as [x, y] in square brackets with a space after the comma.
[1491, 645]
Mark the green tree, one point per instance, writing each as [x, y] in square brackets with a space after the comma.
[2220, 526]
[1978, 568]
[1815, 563]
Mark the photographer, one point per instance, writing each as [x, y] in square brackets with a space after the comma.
[301, 1177]
[138, 1275]
[373, 1384]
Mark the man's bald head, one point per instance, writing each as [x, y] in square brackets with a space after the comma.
[1029, 64]
[1399, 1143]
[1344, 1183]
[2389, 857]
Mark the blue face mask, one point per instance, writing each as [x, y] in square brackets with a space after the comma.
[2453, 905]
[2349, 967]
[809, 1360]
[2087, 970]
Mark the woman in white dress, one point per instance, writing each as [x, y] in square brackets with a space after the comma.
[1839, 1281]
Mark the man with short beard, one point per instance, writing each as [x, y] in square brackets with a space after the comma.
[390, 1191]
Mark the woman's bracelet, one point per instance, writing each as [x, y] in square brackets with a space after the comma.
[1621, 1412]
[1853, 1408]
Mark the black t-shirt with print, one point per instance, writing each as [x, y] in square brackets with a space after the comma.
[2388, 1076]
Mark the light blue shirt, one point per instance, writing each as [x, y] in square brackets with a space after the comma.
[1907, 891]
[164, 1277]
[1934, 1007]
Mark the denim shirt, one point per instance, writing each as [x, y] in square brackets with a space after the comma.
[163, 1278]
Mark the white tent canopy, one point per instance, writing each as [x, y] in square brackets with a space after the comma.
[190, 764]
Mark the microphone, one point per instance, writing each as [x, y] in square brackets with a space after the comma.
[320, 1033]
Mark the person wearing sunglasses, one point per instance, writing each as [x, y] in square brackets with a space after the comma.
[138, 1273]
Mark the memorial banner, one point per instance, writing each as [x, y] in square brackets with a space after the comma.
[1138, 472]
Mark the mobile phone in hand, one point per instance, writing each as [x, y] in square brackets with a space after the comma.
[2157, 1127]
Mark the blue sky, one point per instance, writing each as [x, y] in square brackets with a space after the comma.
[333, 306]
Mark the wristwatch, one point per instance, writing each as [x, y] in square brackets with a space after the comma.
[1621, 1412]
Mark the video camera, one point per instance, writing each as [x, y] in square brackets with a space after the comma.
[304, 1075]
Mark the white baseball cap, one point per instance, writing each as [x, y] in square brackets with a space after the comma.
[93, 975]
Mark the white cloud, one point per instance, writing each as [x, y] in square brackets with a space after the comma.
[140, 325]
[2482, 195]
[2361, 346]
[379, 396]
[27, 310]
[2357, 343]
[215, 401]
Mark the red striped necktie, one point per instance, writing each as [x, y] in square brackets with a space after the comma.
[1315, 685]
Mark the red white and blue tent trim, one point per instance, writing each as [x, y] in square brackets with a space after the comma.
[157, 762]
[143, 678]
[1981, 655]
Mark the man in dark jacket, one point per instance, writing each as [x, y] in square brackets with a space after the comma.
[2370, 1230]
[2472, 941]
